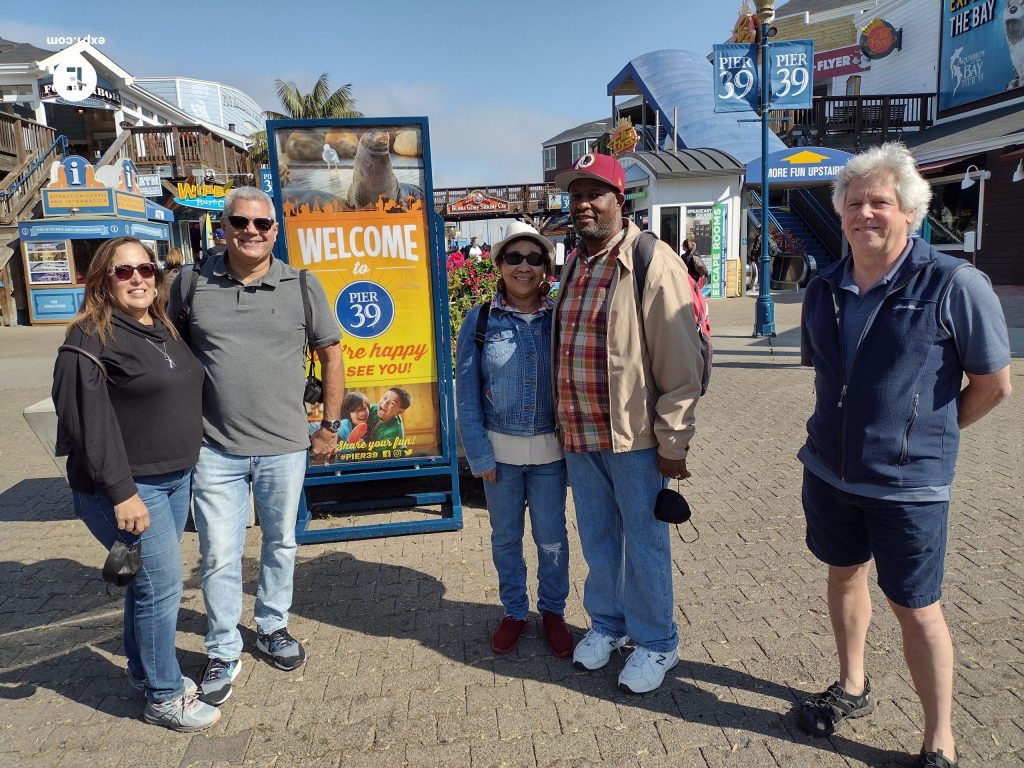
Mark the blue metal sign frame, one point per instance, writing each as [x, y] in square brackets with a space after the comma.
[443, 466]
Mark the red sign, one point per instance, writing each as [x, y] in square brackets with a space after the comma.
[840, 61]
[478, 202]
[880, 38]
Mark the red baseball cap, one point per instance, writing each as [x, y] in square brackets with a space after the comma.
[594, 165]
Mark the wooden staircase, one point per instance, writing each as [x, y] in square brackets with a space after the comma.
[27, 149]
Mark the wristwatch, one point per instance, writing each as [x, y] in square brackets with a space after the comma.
[331, 426]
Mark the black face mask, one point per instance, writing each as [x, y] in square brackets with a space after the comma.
[122, 563]
[670, 507]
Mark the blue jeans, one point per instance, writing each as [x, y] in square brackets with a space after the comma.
[152, 599]
[629, 588]
[221, 498]
[542, 486]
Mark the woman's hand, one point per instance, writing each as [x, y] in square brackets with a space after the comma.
[132, 515]
[490, 476]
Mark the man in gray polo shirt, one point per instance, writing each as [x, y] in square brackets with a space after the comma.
[246, 324]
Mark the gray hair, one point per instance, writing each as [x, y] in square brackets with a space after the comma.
[247, 193]
[894, 159]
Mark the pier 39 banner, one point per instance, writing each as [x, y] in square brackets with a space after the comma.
[355, 215]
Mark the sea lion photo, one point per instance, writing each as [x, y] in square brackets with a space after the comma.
[372, 174]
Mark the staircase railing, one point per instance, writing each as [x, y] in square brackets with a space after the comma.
[22, 139]
[786, 242]
[18, 190]
[822, 222]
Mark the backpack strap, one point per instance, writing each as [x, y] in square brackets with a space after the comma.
[480, 336]
[188, 279]
[85, 353]
[643, 253]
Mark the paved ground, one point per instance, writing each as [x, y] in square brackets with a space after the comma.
[401, 671]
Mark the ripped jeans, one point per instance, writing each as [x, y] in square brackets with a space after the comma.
[542, 487]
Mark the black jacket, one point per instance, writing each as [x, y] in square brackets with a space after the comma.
[146, 420]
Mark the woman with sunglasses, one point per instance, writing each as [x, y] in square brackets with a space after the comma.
[130, 423]
[507, 421]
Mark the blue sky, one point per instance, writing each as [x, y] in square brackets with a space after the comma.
[494, 79]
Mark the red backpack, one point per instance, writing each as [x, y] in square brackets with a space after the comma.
[643, 252]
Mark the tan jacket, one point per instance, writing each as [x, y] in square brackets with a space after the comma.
[654, 367]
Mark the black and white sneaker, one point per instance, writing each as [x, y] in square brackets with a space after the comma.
[284, 650]
[217, 678]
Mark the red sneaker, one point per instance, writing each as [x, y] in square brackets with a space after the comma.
[559, 637]
[506, 636]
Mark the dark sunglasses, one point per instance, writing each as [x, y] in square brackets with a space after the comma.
[241, 222]
[146, 270]
[514, 258]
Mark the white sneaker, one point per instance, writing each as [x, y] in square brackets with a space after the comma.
[595, 649]
[645, 670]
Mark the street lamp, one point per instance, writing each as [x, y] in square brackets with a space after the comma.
[764, 314]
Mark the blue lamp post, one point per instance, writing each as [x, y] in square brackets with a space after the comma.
[764, 315]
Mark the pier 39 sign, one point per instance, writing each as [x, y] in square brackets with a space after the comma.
[737, 76]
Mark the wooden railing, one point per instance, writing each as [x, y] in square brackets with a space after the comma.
[18, 191]
[183, 148]
[854, 120]
[22, 139]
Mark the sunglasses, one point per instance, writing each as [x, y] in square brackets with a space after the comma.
[514, 258]
[146, 270]
[241, 222]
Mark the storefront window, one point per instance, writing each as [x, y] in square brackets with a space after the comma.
[953, 211]
[670, 226]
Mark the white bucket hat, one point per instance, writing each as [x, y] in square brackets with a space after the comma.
[521, 230]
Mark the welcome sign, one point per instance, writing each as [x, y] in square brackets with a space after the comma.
[354, 213]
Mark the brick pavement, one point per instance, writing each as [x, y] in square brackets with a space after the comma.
[401, 672]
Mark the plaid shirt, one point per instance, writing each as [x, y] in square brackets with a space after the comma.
[582, 365]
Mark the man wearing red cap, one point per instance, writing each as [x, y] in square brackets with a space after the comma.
[627, 379]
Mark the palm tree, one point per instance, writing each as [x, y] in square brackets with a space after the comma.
[320, 102]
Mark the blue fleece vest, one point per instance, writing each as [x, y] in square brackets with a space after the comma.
[891, 420]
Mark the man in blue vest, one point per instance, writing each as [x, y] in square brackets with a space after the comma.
[890, 331]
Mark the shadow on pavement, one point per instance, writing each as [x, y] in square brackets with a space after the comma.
[382, 600]
[41, 500]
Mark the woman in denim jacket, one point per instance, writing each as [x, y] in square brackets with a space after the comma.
[507, 421]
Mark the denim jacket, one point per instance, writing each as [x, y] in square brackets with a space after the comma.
[507, 388]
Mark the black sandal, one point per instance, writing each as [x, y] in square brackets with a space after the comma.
[821, 715]
[937, 759]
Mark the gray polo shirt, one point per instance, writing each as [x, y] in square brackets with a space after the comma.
[251, 340]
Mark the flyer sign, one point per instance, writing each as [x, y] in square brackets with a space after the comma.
[355, 215]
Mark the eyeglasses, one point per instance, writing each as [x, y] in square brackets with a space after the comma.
[514, 258]
[146, 270]
[241, 222]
